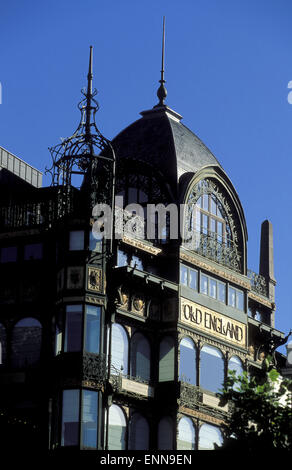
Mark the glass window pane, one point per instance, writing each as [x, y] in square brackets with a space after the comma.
[186, 434]
[122, 258]
[239, 300]
[205, 223]
[73, 329]
[8, 254]
[221, 291]
[213, 288]
[197, 221]
[26, 342]
[206, 202]
[193, 281]
[204, 284]
[231, 297]
[212, 225]
[139, 433]
[117, 429]
[120, 349]
[187, 363]
[184, 275]
[165, 434]
[211, 369]
[213, 206]
[76, 240]
[235, 364]
[89, 419]
[92, 331]
[33, 251]
[220, 231]
[166, 359]
[199, 202]
[140, 357]
[70, 418]
[208, 435]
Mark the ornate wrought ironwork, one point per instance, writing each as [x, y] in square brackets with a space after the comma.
[209, 246]
[258, 283]
[190, 395]
[94, 367]
[87, 153]
[225, 251]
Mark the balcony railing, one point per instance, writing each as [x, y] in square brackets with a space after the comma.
[224, 252]
[39, 209]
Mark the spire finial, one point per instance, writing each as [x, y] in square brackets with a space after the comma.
[161, 92]
[90, 74]
[89, 94]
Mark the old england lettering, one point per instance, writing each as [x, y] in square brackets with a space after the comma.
[214, 323]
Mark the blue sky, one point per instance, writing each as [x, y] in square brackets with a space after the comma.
[228, 64]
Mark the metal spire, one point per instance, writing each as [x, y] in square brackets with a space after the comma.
[89, 94]
[161, 92]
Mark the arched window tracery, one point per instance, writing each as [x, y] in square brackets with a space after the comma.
[211, 226]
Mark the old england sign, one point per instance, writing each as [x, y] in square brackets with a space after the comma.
[216, 324]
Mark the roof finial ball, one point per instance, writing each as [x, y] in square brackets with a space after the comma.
[161, 92]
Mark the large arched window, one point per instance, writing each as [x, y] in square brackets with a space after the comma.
[186, 434]
[165, 434]
[138, 433]
[212, 226]
[117, 428]
[211, 368]
[2, 344]
[187, 361]
[119, 349]
[26, 342]
[140, 357]
[209, 436]
[166, 359]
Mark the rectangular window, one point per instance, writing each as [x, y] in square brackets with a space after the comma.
[76, 240]
[193, 279]
[89, 418]
[70, 418]
[8, 254]
[221, 292]
[236, 298]
[231, 297]
[33, 251]
[213, 288]
[239, 300]
[184, 275]
[73, 328]
[92, 328]
[204, 284]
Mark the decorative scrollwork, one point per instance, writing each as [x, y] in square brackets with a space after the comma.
[94, 367]
[190, 395]
[258, 283]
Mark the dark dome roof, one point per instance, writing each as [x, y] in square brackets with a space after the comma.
[162, 141]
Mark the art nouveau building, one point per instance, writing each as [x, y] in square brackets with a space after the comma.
[123, 344]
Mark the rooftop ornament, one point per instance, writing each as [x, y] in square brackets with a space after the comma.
[75, 154]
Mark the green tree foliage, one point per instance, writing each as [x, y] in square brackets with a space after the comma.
[261, 412]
